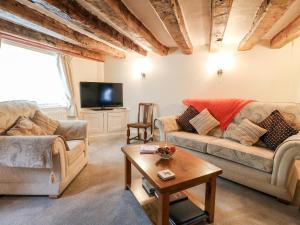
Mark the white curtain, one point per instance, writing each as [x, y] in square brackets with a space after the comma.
[66, 77]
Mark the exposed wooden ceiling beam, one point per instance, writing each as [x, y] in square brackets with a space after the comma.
[73, 12]
[40, 19]
[43, 40]
[171, 15]
[117, 12]
[220, 10]
[287, 34]
[266, 16]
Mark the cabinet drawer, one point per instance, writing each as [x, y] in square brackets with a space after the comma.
[116, 122]
[95, 122]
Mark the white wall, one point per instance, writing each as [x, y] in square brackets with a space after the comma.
[85, 70]
[261, 74]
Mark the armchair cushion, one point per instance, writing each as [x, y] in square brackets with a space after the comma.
[29, 151]
[45, 122]
[10, 111]
[72, 129]
[24, 126]
[76, 149]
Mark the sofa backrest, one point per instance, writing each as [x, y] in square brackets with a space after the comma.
[10, 111]
[258, 111]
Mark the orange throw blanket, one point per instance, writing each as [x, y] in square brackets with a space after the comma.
[224, 110]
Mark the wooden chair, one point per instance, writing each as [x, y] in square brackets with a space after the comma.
[145, 121]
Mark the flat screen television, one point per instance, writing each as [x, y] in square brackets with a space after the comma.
[101, 95]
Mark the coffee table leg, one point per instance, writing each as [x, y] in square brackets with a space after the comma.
[163, 209]
[210, 195]
[127, 173]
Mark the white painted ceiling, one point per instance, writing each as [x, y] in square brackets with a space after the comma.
[197, 19]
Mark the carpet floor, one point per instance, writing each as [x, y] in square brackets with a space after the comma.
[97, 197]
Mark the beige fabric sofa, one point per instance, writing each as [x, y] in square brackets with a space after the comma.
[256, 166]
[65, 164]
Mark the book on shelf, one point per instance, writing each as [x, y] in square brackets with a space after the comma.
[147, 186]
[185, 212]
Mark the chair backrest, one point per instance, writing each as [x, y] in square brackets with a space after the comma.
[145, 114]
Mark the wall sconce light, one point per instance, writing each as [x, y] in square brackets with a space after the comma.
[141, 67]
[219, 62]
[220, 72]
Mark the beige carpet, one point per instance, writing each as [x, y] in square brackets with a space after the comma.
[97, 197]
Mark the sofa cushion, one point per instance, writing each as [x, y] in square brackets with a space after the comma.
[25, 127]
[247, 133]
[76, 148]
[252, 156]
[184, 119]
[204, 122]
[10, 111]
[189, 140]
[45, 122]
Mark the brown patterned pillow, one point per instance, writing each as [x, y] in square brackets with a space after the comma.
[45, 122]
[277, 130]
[25, 127]
[184, 119]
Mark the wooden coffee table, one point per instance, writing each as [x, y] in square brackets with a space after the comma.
[190, 171]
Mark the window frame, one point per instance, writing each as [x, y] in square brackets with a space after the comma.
[39, 50]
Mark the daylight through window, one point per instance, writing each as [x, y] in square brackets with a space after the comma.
[26, 74]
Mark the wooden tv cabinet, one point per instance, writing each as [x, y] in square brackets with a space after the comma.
[105, 122]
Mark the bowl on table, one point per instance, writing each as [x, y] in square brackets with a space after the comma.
[166, 152]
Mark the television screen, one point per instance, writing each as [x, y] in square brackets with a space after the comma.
[93, 94]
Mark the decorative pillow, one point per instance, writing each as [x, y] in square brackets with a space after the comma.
[204, 122]
[25, 127]
[45, 122]
[247, 133]
[277, 130]
[184, 118]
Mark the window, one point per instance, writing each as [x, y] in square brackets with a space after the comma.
[26, 74]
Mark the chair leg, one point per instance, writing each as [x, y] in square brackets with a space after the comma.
[145, 136]
[128, 135]
[138, 134]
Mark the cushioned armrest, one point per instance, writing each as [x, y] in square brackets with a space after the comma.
[30, 151]
[166, 124]
[285, 155]
[72, 129]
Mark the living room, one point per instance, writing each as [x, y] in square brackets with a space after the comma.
[205, 93]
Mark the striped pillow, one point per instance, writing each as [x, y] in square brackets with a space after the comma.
[184, 118]
[46, 123]
[204, 122]
[247, 133]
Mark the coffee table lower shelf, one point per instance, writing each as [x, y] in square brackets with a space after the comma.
[149, 203]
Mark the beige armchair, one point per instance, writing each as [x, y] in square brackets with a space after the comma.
[54, 160]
